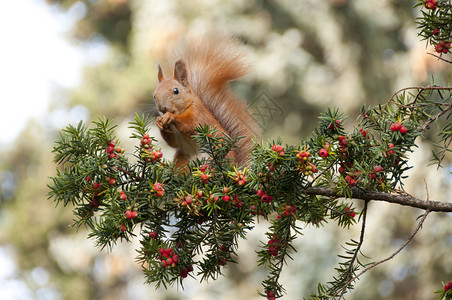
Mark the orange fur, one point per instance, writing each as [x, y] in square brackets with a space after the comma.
[198, 93]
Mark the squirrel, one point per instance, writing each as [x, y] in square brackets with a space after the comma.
[198, 93]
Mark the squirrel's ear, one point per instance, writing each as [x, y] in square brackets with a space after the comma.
[160, 73]
[180, 73]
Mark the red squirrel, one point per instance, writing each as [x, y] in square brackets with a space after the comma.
[198, 93]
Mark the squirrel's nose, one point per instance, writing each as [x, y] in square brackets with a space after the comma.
[162, 108]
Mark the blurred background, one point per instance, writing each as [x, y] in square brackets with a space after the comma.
[62, 61]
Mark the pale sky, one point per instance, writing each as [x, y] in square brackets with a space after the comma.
[34, 56]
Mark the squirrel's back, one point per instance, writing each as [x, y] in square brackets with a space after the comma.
[213, 60]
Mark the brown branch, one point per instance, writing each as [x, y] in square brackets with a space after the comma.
[406, 200]
[422, 88]
[439, 57]
[436, 117]
[131, 174]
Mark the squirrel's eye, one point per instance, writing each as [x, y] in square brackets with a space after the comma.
[175, 91]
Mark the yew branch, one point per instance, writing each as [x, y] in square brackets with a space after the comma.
[406, 200]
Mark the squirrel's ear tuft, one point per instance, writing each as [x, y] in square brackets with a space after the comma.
[180, 72]
[160, 73]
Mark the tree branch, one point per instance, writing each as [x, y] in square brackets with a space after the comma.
[439, 57]
[391, 256]
[422, 88]
[406, 200]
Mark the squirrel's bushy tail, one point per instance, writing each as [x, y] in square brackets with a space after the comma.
[213, 60]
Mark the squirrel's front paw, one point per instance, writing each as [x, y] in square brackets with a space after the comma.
[164, 122]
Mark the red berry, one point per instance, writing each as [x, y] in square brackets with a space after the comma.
[260, 193]
[96, 185]
[112, 181]
[205, 178]
[145, 141]
[390, 146]
[95, 202]
[236, 202]
[435, 31]
[110, 149]
[271, 167]
[129, 214]
[203, 168]
[213, 198]
[122, 196]
[396, 126]
[350, 212]
[266, 198]
[442, 47]
[334, 125]
[323, 152]
[158, 187]
[363, 132]
[175, 258]
[270, 295]
[343, 141]
[403, 130]
[430, 4]
[112, 144]
[189, 199]
[153, 235]
[348, 178]
[225, 190]
[273, 249]
[279, 149]
[448, 286]
[226, 198]
[183, 273]
[123, 228]
[378, 169]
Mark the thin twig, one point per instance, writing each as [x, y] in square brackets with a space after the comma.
[439, 57]
[132, 174]
[431, 120]
[392, 255]
[415, 88]
[361, 241]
